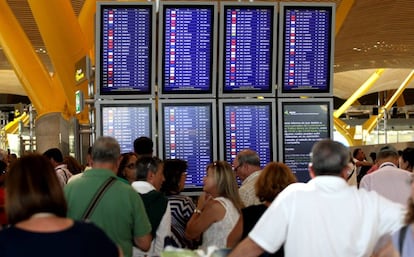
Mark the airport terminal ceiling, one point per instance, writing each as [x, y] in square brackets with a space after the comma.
[371, 36]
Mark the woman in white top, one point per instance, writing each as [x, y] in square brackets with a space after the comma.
[218, 208]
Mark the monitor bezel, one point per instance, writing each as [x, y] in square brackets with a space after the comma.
[99, 105]
[273, 72]
[282, 102]
[247, 101]
[213, 125]
[161, 50]
[281, 92]
[131, 93]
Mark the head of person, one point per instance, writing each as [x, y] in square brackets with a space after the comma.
[4, 156]
[106, 152]
[55, 156]
[274, 177]
[406, 160]
[72, 164]
[387, 154]
[150, 169]
[126, 169]
[358, 154]
[221, 181]
[329, 157]
[144, 146]
[89, 157]
[246, 162]
[373, 156]
[33, 187]
[175, 173]
[3, 171]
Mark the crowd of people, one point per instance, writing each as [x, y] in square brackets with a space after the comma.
[131, 204]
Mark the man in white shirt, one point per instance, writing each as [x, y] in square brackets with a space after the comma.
[56, 158]
[389, 180]
[247, 168]
[324, 217]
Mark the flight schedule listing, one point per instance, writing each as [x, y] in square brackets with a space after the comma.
[248, 49]
[126, 124]
[307, 47]
[248, 127]
[126, 50]
[188, 48]
[303, 125]
[188, 136]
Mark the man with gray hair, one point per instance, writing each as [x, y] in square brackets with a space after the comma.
[119, 211]
[247, 168]
[325, 216]
[389, 180]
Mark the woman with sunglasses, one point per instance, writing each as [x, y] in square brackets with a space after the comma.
[218, 207]
[126, 169]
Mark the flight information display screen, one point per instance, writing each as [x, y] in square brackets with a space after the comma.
[248, 126]
[126, 123]
[307, 49]
[126, 49]
[248, 49]
[187, 135]
[187, 56]
[303, 124]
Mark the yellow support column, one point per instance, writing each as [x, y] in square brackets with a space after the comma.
[360, 92]
[64, 42]
[341, 13]
[30, 70]
[372, 122]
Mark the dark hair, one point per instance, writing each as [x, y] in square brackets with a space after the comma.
[329, 157]
[408, 156]
[106, 149]
[248, 156]
[355, 153]
[173, 170]
[143, 146]
[32, 187]
[274, 177]
[146, 164]
[55, 154]
[124, 161]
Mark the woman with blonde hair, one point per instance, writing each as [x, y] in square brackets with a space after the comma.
[218, 208]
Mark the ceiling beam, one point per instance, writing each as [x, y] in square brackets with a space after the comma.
[27, 66]
[342, 12]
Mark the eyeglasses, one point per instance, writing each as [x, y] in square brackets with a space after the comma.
[238, 167]
[131, 166]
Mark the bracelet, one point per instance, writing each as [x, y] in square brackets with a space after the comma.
[197, 211]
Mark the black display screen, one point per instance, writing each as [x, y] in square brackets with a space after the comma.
[126, 49]
[306, 62]
[248, 126]
[126, 123]
[248, 47]
[187, 135]
[187, 56]
[303, 124]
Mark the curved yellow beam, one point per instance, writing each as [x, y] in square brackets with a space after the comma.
[345, 130]
[360, 92]
[26, 64]
[341, 14]
[13, 126]
[64, 41]
[372, 122]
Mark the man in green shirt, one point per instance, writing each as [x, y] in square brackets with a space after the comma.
[120, 211]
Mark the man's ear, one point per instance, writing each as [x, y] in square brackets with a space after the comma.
[311, 171]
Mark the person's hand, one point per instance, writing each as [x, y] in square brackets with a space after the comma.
[203, 200]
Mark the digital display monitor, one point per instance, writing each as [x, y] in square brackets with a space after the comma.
[125, 121]
[303, 123]
[306, 49]
[188, 132]
[188, 33]
[247, 124]
[125, 49]
[248, 49]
